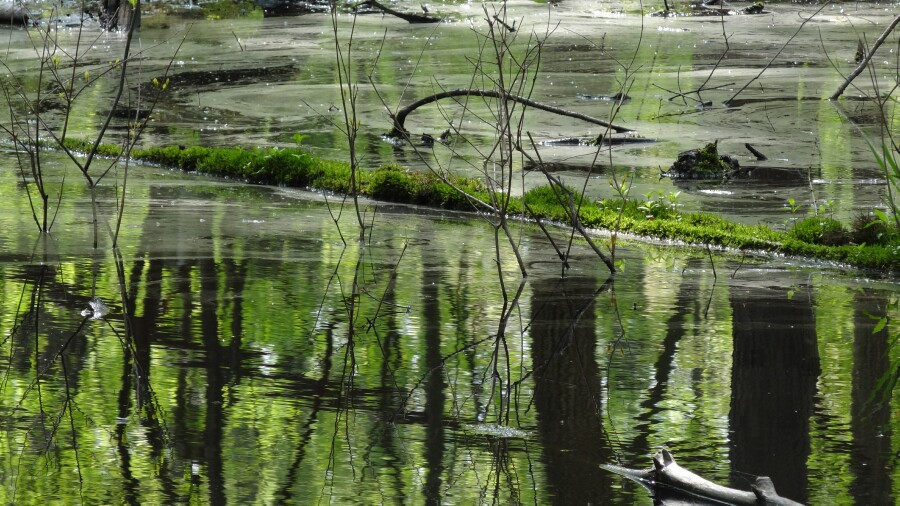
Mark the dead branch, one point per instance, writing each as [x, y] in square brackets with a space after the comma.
[757, 153]
[411, 18]
[399, 130]
[667, 475]
[865, 61]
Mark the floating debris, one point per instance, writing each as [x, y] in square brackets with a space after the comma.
[497, 431]
[96, 310]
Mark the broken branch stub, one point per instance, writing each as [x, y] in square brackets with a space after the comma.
[399, 128]
[408, 17]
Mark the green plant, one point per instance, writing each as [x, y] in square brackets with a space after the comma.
[873, 228]
[672, 197]
[826, 207]
[888, 164]
[651, 204]
[793, 205]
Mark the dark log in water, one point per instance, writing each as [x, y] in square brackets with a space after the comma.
[13, 13]
[668, 476]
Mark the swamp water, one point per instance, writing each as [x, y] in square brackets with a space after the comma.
[235, 350]
[245, 355]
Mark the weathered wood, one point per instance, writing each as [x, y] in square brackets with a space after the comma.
[757, 153]
[411, 18]
[667, 475]
[399, 130]
[13, 13]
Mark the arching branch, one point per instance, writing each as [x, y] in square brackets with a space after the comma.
[399, 130]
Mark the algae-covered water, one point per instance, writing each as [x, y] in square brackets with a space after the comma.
[243, 345]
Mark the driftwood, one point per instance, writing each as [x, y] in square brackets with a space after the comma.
[666, 476]
[412, 18]
[759, 156]
[865, 61]
[13, 13]
[399, 130]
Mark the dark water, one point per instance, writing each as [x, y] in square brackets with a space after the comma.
[241, 347]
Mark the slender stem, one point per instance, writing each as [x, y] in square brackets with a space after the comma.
[865, 61]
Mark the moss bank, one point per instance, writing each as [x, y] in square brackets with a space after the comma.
[296, 167]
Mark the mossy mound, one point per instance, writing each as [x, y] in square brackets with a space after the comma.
[703, 163]
[821, 230]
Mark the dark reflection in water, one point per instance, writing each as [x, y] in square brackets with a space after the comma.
[870, 408]
[567, 390]
[434, 382]
[251, 357]
[687, 303]
[775, 366]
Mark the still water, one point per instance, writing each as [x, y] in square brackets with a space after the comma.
[241, 345]
[249, 356]
[253, 80]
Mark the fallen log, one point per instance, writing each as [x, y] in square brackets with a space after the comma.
[13, 13]
[399, 130]
[667, 477]
[411, 18]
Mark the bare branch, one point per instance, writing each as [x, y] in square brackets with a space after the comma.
[399, 130]
[865, 61]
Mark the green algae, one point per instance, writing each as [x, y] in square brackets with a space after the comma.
[297, 167]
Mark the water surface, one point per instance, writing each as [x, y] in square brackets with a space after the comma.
[256, 351]
[249, 356]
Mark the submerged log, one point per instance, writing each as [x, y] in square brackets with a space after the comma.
[399, 130]
[666, 476]
[13, 13]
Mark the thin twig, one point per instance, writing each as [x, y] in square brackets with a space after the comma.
[865, 61]
[769, 63]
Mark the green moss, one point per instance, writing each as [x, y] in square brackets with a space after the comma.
[816, 237]
[391, 183]
[821, 230]
[709, 161]
[105, 150]
[231, 9]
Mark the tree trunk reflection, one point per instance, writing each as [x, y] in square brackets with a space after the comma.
[773, 384]
[567, 390]
[871, 460]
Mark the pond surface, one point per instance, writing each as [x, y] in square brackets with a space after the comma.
[241, 345]
[246, 355]
[260, 81]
